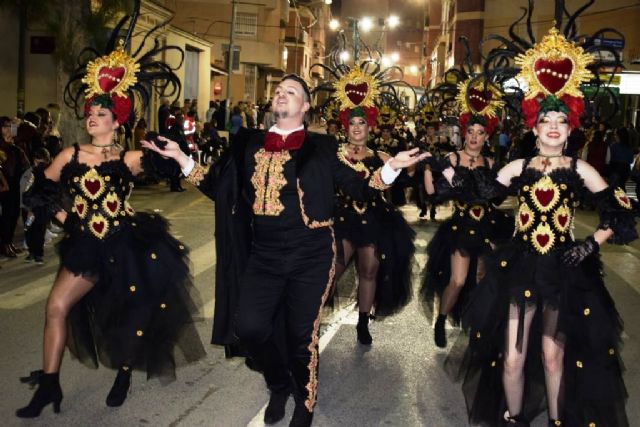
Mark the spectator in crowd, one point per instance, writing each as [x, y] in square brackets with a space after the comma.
[211, 111]
[14, 165]
[38, 218]
[163, 115]
[621, 157]
[597, 151]
[236, 121]
[139, 133]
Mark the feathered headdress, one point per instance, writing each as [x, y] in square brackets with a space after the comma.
[116, 79]
[554, 68]
[362, 89]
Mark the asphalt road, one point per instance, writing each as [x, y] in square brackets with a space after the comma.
[398, 381]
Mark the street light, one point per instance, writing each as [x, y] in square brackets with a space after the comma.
[393, 21]
[344, 56]
[366, 24]
[334, 24]
[395, 57]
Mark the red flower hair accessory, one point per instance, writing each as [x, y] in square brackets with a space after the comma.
[489, 123]
[370, 114]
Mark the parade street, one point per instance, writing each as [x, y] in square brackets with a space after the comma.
[397, 381]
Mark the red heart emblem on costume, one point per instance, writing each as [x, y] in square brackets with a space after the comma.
[112, 206]
[524, 218]
[477, 212]
[109, 78]
[542, 239]
[356, 93]
[553, 75]
[80, 208]
[362, 174]
[479, 99]
[624, 200]
[562, 220]
[93, 186]
[98, 226]
[545, 196]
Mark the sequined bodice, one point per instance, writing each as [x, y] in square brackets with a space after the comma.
[99, 195]
[365, 168]
[546, 208]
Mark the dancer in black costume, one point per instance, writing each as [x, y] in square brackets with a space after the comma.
[374, 231]
[122, 290]
[455, 252]
[287, 180]
[542, 324]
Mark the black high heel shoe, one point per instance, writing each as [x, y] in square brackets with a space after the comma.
[118, 393]
[362, 329]
[517, 421]
[48, 391]
[439, 332]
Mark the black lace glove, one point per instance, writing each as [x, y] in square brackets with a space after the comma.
[576, 254]
[437, 163]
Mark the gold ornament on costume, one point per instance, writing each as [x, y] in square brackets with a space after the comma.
[554, 66]
[92, 184]
[356, 89]
[111, 74]
[111, 205]
[545, 194]
[99, 226]
[543, 238]
[482, 101]
[525, 217]
[387, 115]
[562, 219]
[80, 207]
[622, 198]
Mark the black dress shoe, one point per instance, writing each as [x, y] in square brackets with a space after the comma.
[301, 416]
[178, 190]
[120, 388]
[275, 408]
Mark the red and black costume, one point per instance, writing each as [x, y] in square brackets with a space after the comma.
[286, 191]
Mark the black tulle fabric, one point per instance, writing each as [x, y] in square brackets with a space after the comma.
[142, 304]
[43, 193]
[588, 322]
[470, 230]
[378, 223]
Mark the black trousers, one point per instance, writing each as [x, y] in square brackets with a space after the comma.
[34, 235]
[10, 214]
[289, 274]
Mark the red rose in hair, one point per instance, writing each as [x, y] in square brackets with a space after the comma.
[572, 106]
[489, 123]
[118, 105]
[370, 114]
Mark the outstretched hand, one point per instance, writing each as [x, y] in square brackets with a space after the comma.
[171, 150]
[404, 159]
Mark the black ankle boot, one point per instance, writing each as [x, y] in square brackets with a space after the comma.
[48, 391]
[517, 421]
[275, 408]
[301, 416]
[555, 423]
[120, 388]
[439, 333]
[364, 337]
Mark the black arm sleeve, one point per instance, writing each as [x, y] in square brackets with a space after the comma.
[616, 211]
[44, 193]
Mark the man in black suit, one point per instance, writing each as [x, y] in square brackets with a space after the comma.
[287, 180]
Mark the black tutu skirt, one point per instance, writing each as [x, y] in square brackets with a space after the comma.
[587, 321]
[142, 305]
[384, 227]
[473, 239]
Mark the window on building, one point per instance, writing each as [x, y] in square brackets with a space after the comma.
[246, 25]
[191, 73]
[250, 77]
[235, 57]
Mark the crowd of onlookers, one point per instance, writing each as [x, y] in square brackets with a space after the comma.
[28, 143]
